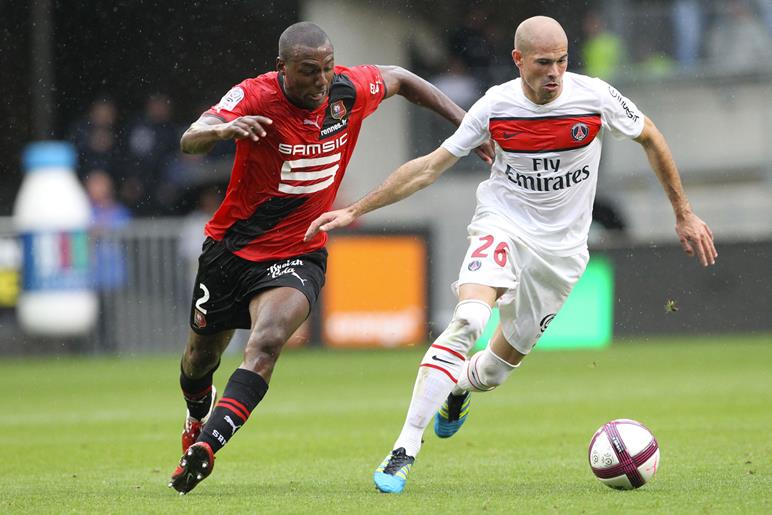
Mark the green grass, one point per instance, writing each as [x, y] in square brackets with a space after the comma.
[102, 435]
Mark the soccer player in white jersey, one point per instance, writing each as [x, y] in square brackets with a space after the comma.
[528, 236]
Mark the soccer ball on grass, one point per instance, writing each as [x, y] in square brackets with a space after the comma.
[624, 454]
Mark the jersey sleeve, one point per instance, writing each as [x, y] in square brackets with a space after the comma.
[238, 101]
[619, 114]
[472, 132]
[369, 84]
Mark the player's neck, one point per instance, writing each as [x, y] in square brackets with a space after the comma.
[536, 99]
[291, 100]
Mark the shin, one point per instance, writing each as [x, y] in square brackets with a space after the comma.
[440, 369]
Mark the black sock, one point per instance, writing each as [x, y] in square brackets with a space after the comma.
[197, 392]
[245, 389]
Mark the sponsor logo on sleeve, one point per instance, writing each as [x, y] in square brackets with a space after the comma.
[623, 102]
[230, 100]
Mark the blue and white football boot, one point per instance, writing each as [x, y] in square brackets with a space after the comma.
[391, 475]
[452, 414]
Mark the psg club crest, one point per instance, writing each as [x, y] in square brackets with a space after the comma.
[474, 265]
[579, 131]
[338, 110]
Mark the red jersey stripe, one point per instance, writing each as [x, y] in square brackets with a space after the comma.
[545, 134]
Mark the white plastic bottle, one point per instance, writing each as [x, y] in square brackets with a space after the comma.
[51, 215]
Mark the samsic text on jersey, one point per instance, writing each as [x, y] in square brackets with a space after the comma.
[282, 182]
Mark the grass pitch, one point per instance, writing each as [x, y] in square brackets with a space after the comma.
[102, 435]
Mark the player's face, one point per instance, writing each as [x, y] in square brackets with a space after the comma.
[541, 70]
[308, 75]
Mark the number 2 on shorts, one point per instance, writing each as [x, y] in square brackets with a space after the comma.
[204, 298]
[499, 253]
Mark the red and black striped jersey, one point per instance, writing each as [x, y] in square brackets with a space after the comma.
[282, 182]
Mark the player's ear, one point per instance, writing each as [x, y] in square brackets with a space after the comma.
[517, 57]
[280, 64]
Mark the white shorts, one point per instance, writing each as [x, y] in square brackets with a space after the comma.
[537, 283]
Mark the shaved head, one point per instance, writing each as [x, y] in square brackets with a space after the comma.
[541, 55]
[539, 32]
[301, 35]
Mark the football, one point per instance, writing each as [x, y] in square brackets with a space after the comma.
[624, 454]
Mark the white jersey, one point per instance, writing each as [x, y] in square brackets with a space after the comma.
[543, 179]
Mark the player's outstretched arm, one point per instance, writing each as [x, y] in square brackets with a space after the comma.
[202, 135]
[404, 181]
[695, 235]
[399, 81]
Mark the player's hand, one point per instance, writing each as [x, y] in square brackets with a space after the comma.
[486, 152]
[696, 239]
[252, 127]
[329, 221]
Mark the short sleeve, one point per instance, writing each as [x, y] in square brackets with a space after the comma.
[369, 86]
[236, 102]
[619, 113]
[472, 132]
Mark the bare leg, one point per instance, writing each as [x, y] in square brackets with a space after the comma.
[203, 352]
[276, 315]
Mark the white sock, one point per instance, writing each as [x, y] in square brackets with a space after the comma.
[440, 369]
[430, 390]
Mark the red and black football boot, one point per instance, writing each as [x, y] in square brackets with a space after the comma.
[195, 466]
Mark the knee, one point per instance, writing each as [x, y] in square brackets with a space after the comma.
[263, 348]
[468, 323]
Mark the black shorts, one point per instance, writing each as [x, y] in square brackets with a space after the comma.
[225, 283]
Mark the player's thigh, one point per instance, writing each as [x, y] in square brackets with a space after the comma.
[544, 283]
[484, 293]
[276, 314]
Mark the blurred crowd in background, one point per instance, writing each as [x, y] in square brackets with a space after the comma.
[131, 165]
[673, 38]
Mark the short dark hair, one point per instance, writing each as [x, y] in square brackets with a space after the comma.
[301, 34]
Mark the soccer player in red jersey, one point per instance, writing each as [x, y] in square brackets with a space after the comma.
[295, 130]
